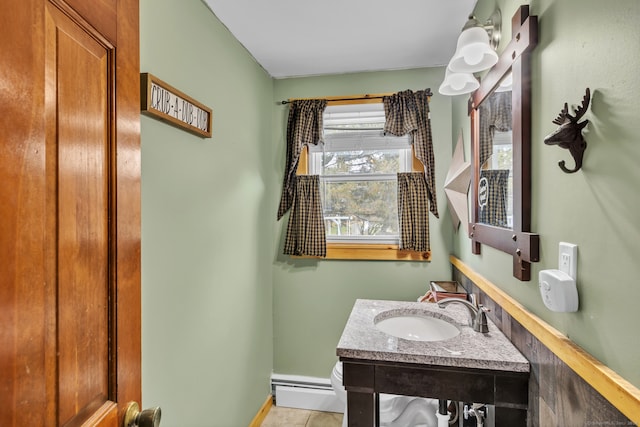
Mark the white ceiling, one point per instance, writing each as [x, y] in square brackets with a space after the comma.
[291, 38]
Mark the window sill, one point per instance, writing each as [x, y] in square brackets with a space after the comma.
[371, 252]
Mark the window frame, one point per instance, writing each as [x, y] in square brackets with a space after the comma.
[339, 142]
[364, 251]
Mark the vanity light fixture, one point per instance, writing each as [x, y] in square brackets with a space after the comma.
[477, 44]
[475, 51]
[458, 83]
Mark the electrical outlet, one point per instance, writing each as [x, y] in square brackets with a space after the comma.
[568, 259]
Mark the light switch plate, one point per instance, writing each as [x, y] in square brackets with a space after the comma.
[568, 259]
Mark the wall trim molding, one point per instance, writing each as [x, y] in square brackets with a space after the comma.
[262, 412]
[620, 392]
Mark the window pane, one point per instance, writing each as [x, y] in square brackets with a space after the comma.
[360, 162]
[360, 208]
[502, 158]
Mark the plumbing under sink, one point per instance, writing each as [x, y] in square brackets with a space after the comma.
[415, 326]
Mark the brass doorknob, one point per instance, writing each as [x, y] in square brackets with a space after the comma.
[133, 417]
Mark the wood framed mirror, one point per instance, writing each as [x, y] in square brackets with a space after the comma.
[501, 150]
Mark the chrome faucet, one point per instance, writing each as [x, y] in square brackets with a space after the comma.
[476, 312]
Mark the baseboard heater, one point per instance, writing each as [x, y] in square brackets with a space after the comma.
[295, 391]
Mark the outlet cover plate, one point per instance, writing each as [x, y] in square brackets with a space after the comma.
[568, 259]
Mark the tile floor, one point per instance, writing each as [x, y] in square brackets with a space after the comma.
[288, 417]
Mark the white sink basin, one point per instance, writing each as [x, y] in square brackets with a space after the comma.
[416, 327]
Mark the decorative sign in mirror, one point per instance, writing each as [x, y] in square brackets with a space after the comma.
[501, 133]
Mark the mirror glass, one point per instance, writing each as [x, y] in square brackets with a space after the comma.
[500, 111]
[495, 184]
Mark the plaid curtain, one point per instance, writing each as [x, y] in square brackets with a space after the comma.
[305, 231]
[413, 211]
[495, 211]
[495, 114]
[408, 112]
[304, 126]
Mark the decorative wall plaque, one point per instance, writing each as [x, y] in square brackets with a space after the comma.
[161, 100]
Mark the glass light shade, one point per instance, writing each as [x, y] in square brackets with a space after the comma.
[473, 52]
[458, 83]
[506, 83]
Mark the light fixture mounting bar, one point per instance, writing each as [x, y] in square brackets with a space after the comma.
[494, 28]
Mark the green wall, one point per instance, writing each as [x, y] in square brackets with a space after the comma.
[207, 214]
[312, 299]
[582, 44]
[222, 307]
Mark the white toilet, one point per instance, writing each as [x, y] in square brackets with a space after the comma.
[395, 411]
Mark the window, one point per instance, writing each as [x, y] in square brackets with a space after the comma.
[358, 168]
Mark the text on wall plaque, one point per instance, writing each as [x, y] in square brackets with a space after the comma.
[161, 100]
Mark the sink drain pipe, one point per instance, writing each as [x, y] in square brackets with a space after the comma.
[443, 414]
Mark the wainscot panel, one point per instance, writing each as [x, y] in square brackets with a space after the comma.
[557, 395]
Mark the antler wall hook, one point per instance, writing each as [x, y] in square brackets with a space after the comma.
[569, 134]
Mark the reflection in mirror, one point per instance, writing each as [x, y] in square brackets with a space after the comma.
[500, 111]
[495, 186]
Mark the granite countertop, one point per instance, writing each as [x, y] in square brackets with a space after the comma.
[362, 340]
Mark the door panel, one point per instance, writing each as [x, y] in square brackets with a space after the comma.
[79, 150]
[70, 212]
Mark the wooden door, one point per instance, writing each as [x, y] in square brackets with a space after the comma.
[69, 212]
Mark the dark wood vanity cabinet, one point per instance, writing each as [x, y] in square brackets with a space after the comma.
[365, 379]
